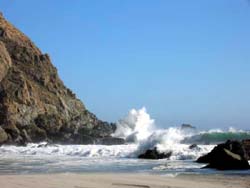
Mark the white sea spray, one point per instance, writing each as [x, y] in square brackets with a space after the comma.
[141, 133]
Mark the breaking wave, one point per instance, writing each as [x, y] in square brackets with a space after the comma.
[141, 133]
[138, 127]
[216, 137]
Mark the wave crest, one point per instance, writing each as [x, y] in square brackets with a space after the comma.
[139, 128]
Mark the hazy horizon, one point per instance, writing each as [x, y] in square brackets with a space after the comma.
[185, 62]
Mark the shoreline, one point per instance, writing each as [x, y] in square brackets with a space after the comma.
[122, 180]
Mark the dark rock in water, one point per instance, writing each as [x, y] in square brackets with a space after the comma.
[187, 126]
[233, 146]
[194, 147]
[228, 156]
[154, 154]
[35, 105]
[229, 161]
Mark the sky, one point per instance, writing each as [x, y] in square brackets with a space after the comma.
[185, 61]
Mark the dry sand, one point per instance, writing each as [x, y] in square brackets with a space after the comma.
[97, 180]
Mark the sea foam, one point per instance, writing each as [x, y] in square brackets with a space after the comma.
[141, 133]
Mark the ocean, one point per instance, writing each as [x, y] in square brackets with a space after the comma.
[141, 133]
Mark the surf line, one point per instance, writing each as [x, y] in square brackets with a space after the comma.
[131, 185]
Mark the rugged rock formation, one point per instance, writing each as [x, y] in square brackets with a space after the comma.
[155, 154]
[34, 103]
[231, 155]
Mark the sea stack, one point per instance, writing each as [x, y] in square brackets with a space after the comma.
[35, 105]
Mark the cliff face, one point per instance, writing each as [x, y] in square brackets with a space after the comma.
[34, 103]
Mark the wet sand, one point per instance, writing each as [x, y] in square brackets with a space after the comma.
[109, 180]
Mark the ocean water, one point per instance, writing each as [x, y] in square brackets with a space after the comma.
[141, 133]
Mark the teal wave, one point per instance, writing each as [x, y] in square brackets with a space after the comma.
[217, 137]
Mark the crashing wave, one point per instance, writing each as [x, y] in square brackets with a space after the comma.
[136, 126]
[141, 134]
[139, 128]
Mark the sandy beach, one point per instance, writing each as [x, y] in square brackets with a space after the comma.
[97, 180]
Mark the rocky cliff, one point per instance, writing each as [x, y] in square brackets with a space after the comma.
[34, 103]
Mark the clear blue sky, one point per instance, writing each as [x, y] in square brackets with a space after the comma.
[186, 61]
